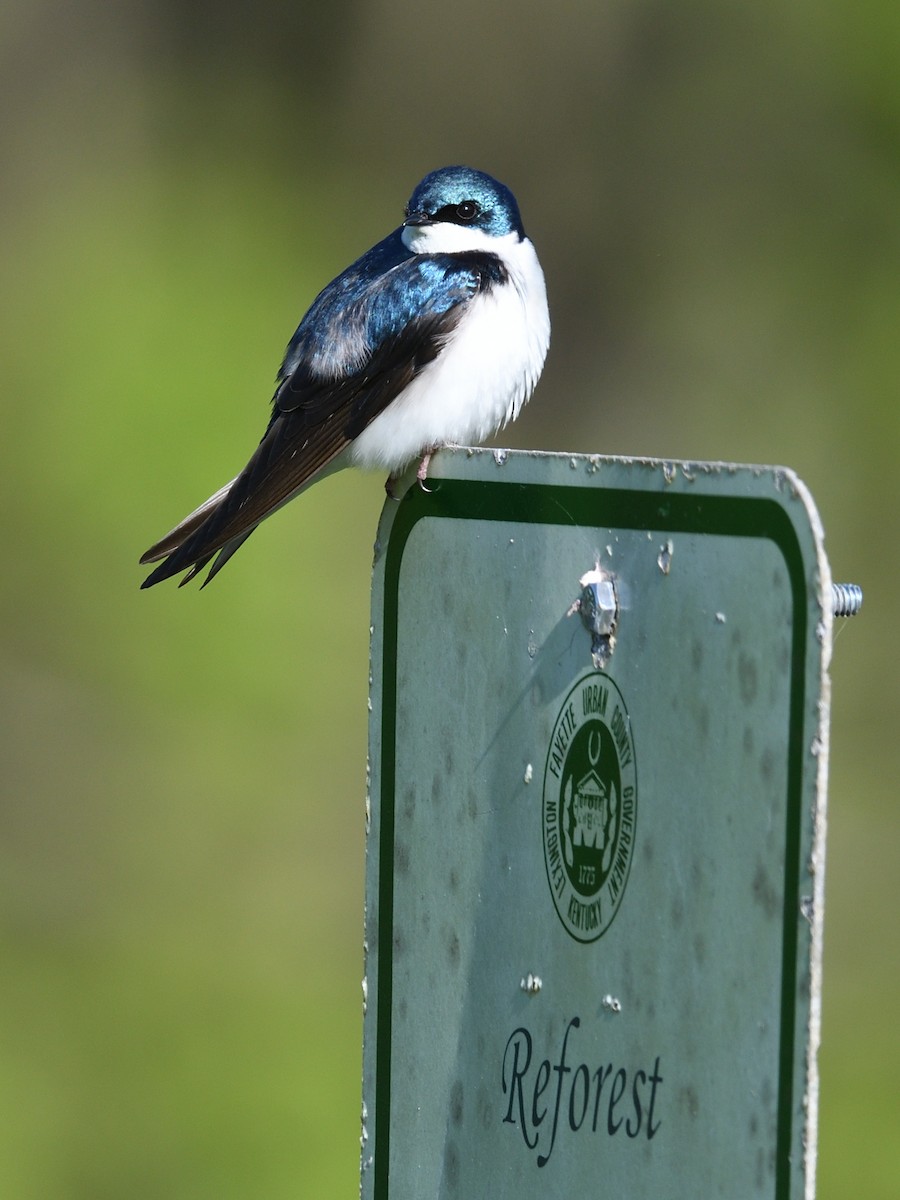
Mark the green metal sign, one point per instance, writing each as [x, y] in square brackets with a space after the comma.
[598, 742]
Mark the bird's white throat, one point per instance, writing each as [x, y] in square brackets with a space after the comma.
[445, 237]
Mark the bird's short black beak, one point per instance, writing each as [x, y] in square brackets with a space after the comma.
[418, 218]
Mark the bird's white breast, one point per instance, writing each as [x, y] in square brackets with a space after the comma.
[486, 372]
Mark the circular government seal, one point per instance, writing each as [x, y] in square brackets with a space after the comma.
[590, 806]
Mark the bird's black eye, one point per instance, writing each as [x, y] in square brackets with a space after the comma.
[463, 213]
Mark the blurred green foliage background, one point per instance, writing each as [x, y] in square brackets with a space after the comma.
[714, 190]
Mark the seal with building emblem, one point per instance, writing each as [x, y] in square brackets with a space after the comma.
[590, 806]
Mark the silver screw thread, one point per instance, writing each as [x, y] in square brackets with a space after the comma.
[846, 598]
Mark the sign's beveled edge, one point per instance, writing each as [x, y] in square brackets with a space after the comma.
[669, 496]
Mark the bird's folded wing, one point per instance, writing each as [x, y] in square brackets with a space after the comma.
[405, 319]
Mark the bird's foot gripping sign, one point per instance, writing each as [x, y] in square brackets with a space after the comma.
[594, 873]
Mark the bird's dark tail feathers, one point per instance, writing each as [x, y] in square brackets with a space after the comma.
[192, 544]
[182, 557]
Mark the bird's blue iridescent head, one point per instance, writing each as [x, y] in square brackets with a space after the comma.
[465, 197]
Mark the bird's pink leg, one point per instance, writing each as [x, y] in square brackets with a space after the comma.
[422, 472]
[390, 483]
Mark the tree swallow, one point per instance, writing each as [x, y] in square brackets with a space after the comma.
[435, 337]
